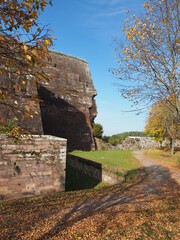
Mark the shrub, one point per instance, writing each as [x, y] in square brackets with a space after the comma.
[98, 130]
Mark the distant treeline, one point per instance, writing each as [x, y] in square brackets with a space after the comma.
[118, 138]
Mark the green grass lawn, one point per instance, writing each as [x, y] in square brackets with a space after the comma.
[164, 157]
[121, 161]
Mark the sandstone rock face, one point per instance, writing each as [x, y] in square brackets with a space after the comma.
[68, 108]
[25, 97]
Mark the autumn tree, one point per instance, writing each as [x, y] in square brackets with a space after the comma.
[162, 124]
[149, 59]
[23, 47]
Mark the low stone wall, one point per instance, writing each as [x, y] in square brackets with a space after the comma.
[93, 169]
[32, 167]
[130, 143]
[87, 167]
[137, 143]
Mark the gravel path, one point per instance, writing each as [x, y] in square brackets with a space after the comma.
[157, 171]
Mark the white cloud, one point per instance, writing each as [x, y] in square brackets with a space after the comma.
[105, 2]
[113, 13]
[105, 8]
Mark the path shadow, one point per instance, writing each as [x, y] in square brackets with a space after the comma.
[157, 185]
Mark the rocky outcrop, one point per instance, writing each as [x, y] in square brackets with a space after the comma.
[25, 97]
[102, 145]
[68, 107]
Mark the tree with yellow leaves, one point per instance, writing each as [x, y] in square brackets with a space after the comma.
[149, 61]
[23, 46]
[161, 124]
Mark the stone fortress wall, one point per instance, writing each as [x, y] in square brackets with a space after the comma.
[32, 167]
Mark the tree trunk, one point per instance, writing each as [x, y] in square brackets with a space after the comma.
[172, 144]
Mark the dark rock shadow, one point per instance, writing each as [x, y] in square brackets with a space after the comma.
[82, 173]
[61, 119]
[77, 180]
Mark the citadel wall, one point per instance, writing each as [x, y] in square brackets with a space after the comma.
[32, 167]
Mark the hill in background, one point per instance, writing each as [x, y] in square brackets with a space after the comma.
[118, 138]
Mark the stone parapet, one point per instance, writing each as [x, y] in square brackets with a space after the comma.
[33, 166]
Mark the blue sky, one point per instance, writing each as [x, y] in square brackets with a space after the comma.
[86, 29]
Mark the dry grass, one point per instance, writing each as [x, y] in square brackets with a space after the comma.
[164, 157]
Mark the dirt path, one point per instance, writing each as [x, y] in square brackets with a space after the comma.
[157, 171]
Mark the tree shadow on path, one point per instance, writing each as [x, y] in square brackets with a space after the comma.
[158, 185]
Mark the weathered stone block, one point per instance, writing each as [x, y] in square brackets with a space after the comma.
[32, 171]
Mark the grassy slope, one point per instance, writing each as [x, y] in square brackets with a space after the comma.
[164, 157]
[117, 160]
